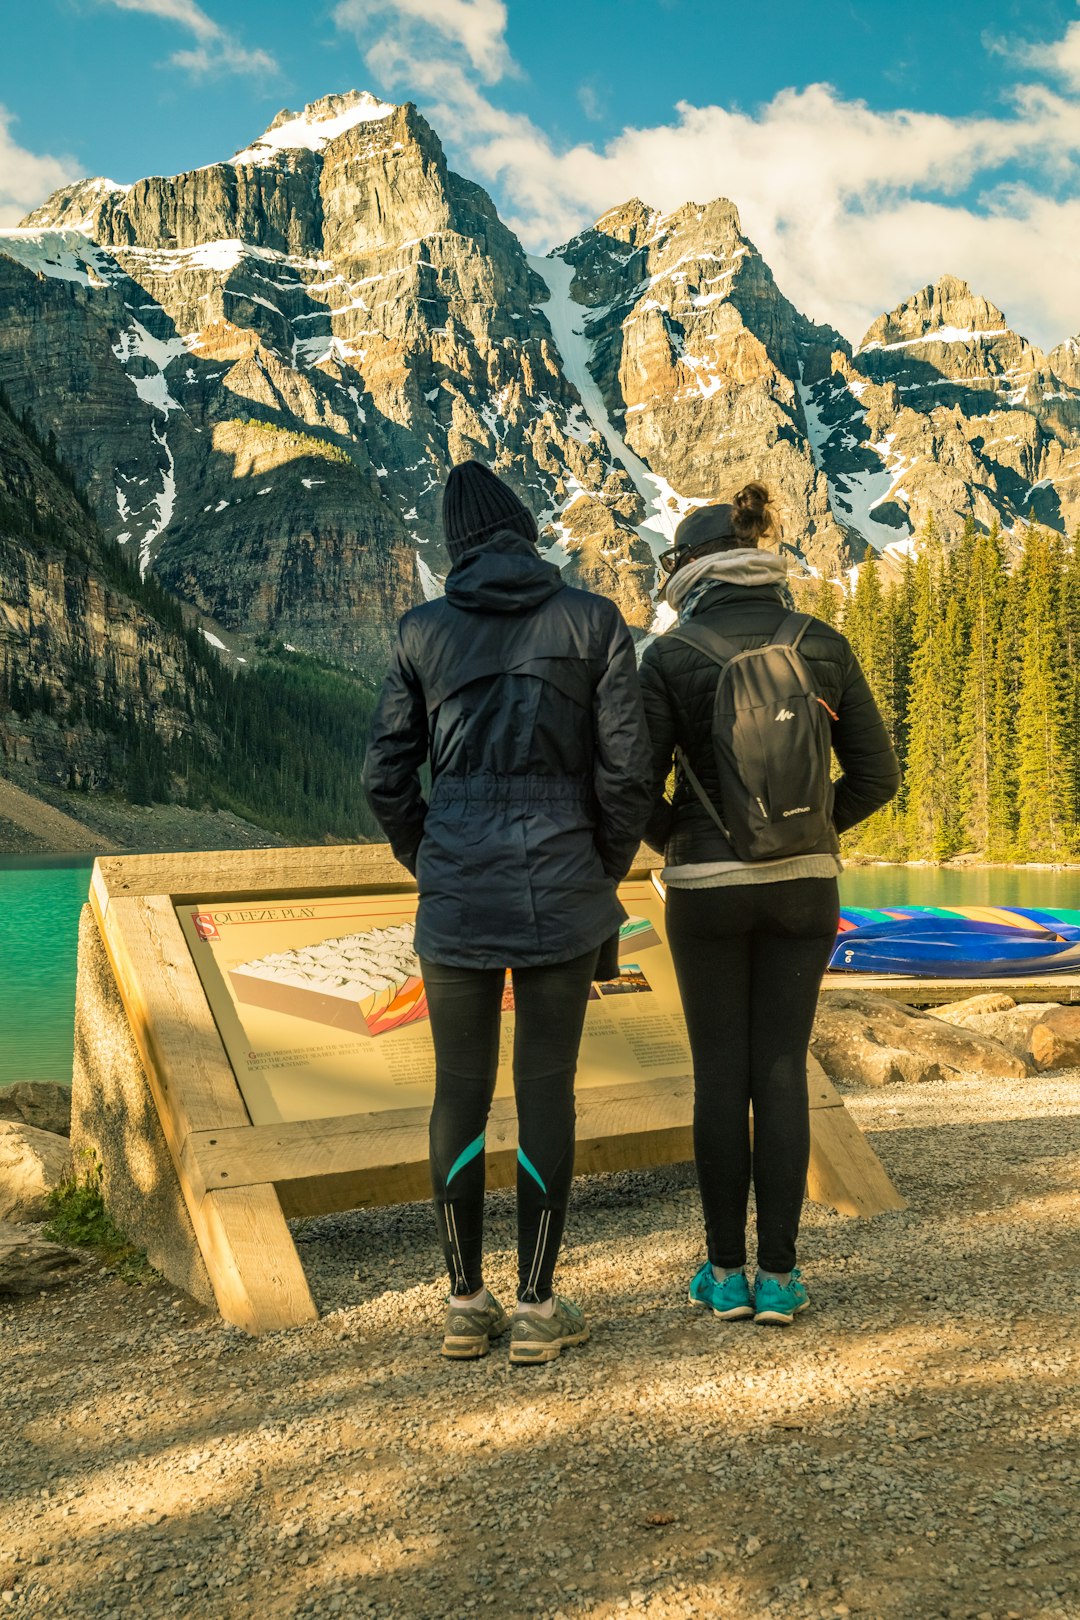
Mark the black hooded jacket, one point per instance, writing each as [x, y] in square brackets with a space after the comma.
[679, 686]
[523, 694]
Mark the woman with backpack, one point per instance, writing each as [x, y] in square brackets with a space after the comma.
[748, 699]
[522, 695]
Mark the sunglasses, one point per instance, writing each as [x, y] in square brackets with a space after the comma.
[668, 561]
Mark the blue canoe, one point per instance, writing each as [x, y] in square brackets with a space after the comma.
[961, 942]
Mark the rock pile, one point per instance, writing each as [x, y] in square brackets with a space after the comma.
[1044, 1033]
[870, 1040]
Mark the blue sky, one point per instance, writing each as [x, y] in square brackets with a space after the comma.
[870, 147]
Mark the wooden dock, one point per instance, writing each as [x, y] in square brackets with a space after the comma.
[1064, 987]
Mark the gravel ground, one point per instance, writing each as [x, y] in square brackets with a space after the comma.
[907, 1449]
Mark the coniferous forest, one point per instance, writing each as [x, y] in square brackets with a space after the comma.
[973, 653]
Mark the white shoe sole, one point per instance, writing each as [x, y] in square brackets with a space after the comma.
[539, 1350]
[738, 1313]
[779, 1318]
[462, 1349]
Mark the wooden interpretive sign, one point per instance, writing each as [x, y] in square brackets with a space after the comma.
[275, 1001]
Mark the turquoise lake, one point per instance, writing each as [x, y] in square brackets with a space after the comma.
[39, 919]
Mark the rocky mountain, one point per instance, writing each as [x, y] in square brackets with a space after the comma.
[944, 410]
[260, 372]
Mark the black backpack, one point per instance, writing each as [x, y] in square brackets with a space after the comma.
[772, 741]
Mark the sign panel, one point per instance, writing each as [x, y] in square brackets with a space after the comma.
[321, 1006]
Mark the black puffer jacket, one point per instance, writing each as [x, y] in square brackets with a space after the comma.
[523, 693]
[679, 685]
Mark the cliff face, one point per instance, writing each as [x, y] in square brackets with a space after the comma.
[262, 370]
[82, 660]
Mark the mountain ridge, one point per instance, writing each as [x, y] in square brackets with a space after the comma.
[266, 366]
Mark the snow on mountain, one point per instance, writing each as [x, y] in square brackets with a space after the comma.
[310, 130]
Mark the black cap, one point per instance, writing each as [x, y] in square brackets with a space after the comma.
[477, 505]
[703, 524]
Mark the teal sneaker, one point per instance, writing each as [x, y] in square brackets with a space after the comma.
[542, 1338]
[775, 1303]
[470, 1329]
[729, 1300]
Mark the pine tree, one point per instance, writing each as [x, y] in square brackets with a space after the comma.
[825, 601]
[982, 591]
[1044, 828]
[867, 625]
[931, 806]
[1070, 650]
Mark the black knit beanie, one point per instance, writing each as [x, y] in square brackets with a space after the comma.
[476, 505]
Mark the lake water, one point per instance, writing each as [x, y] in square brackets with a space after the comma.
[39, 919]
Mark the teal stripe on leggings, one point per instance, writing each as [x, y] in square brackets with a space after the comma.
[533, 1171]
[466, 1156]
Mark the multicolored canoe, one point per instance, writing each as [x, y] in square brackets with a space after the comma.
[957, 942]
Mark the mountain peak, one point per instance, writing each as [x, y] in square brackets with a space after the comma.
[310, 130]
[628, 222]
[945, 310]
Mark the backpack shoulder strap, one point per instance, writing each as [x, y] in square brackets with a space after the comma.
[791, 630]
[715, 646]
[701, 793]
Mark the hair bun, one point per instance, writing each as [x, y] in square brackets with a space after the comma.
[752, 518]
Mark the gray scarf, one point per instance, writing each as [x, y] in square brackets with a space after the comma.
[685, 588]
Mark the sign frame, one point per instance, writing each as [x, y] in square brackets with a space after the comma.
[242, 1182]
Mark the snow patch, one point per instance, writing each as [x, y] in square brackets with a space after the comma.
[664, 506]
[942, 334]
[213, 640]
[430, 583]
[165, 503]
[64, 255]
[310, 132]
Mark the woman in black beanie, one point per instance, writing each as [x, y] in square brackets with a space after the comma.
[522, 693]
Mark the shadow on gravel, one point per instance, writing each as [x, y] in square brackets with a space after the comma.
[904, 1450]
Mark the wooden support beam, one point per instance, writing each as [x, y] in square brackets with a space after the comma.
[361, 1160]
[845, 1172]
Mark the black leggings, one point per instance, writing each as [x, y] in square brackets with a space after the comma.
[749, 961]
[465, 1006]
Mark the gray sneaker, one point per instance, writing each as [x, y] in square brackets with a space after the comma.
[470, 1329]
[541, 1338]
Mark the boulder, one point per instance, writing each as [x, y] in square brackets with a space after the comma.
[870, 1040]
[1055, 1039]
[958, 1012]
[1013, 1027]
[32, 1163]
[42, 1103]
[28, 1263]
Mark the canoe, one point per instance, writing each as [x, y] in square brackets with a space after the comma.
[957, 942]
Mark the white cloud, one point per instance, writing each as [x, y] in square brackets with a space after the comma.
[1060, 58]
[852, 206]
[216, 49]
[476, 27]
[26, 177]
